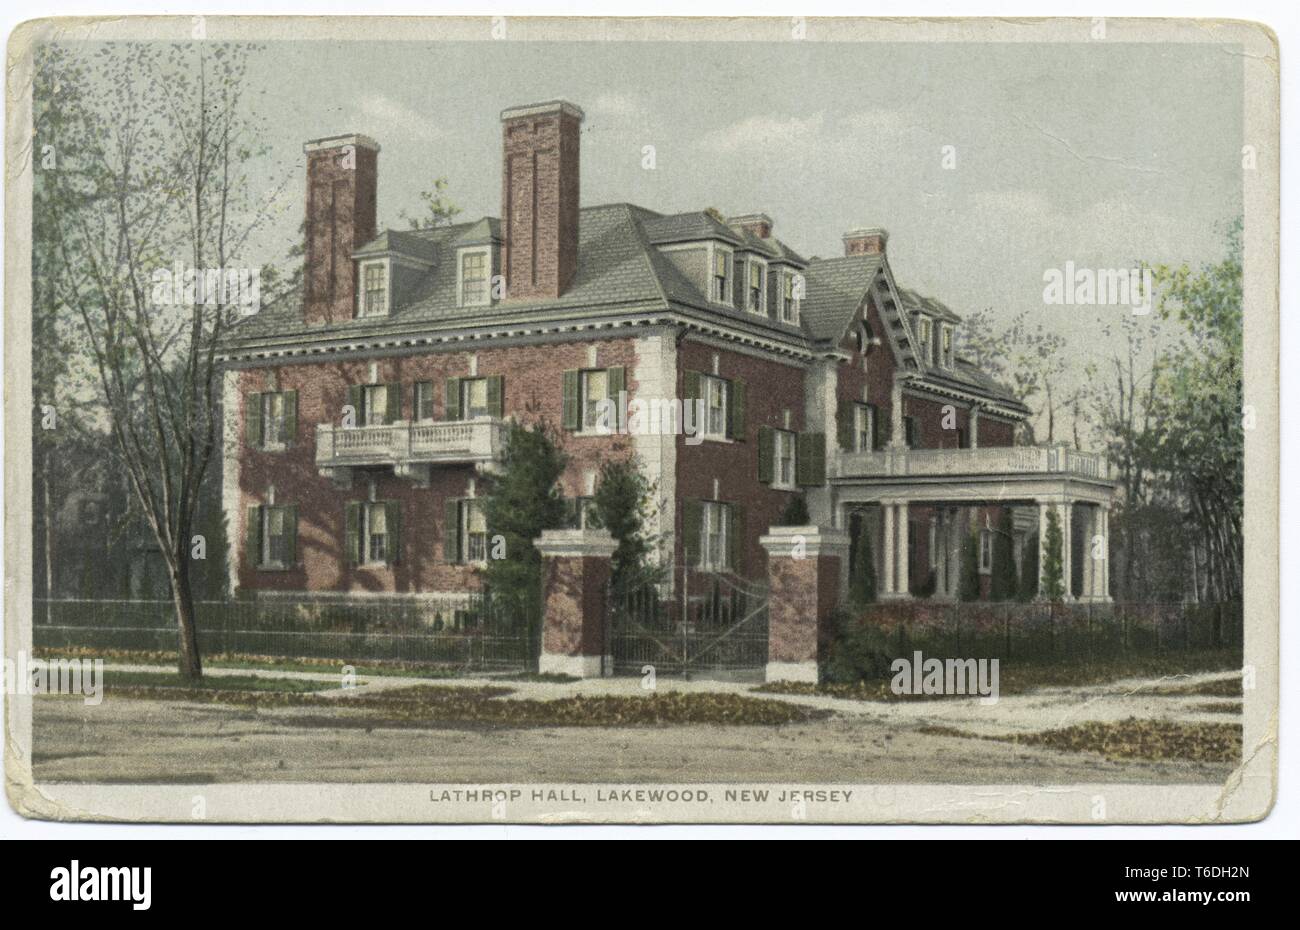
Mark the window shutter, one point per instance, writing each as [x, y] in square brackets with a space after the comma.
[352, 531]
[735, 537]
[354, 401]
[692, 525]
[496, 393]
[291, 534]
[570, 413]
[253, 536]
[572, 517]
[766, 453]
[451, 409]
[253, 419]
[774, 285]
[810, 459]
[691, 385]
[616, 384]
[393, 402]
[290, 432]
[421, 395]
[393, 519]
[844, 424]
[451, 530]
[736, 410]
[739, 282]
[875, 426]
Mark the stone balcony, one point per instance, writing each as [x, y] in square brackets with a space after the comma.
[411, 449]
[991, 462]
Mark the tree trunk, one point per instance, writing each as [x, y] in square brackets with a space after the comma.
[191, 668]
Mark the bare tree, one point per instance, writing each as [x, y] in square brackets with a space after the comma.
[151, 144]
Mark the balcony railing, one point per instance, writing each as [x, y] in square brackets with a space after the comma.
[999, 460]
[401, 444]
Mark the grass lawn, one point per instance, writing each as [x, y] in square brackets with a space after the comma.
[116, 682]
[1015, 677]
[254, 662]
[1159, 740]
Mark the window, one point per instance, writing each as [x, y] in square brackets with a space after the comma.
[374, 405]
[273, 534]
[864, 428]
[754, 292]
[595, 389]
[474, 278]
[582, 514]
[714, 551]
[714, 393]
[374, 289]
[947, 346]
[374, 533]
[721, 276]
[986, 552]
[473, 529]
[272, 419]
[924, 333]
[474, 399]
[789, 308]
[423, 401]
[783, 447]
[909, 432]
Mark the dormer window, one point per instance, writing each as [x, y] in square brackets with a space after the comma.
[721, 277]
[754, 288]
[946, 348]
[374, 289]
[924, 333]
[789, 303]
[475, 273]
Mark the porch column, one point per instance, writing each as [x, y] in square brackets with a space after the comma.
[1066, 512]
[939, 551]
[955, 531]
[896, 437]
[1104, 567]
[1042, 544]
[974, 426]
[575, 594]
[889, 548]
[1092, 561]
[804, 567]
[901, 562]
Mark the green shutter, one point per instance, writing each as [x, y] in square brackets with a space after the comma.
[352, 531]
[290, 432]
[253, 536]
[291, 533]
[452, 407]
[736, 411]
[253, 419]
[451, 530]
[571, 409]
[875, 426]
[736, 537]
[354, 401]
[393, 518]
[810, 460]
[766, 453]
[496, 394]
[393, 402]
[616, 384]
[844, 417]
[690, 385]
[692, 524]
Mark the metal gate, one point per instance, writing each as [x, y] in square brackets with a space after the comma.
[715, 626]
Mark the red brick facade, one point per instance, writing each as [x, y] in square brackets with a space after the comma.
[342, 189]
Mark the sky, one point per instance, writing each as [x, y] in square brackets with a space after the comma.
[1103, 154]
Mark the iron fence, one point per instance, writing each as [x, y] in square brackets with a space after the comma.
[471, 631]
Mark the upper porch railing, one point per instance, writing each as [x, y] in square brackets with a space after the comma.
[995, 460]
[401, 443]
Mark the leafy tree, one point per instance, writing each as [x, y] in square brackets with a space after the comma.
[970, 568]
[862, 580]
[438, 209]
[522, 499]
[795, 512]
[1003, 583]
[1054, 560]
[624, 501]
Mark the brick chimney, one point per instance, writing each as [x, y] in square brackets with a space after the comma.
[539, 199]
[342, 185]
[760, 224]
[865, 241]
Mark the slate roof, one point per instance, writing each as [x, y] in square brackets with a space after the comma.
[620, 271]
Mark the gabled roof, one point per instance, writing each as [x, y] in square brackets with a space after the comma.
[917, 302]
[395, 241]
[835, 288]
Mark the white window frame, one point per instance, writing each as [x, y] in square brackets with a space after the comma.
[589, 408]
[713, 525]
[265, 559]
[468, 506]
[367, 548]
[271, 440]
[924, 333]
[788, 307]
[864, 431]
[787, 438]
[710, 386]
[947, 347]
[461, 255]
[752, 262]
[729, 290]
[366, 416]
[466, 385]
[387, 269]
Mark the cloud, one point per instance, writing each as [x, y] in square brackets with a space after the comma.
[385, 112]
[616, 106]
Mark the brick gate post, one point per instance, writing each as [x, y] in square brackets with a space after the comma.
[805, 565]
[575, 588]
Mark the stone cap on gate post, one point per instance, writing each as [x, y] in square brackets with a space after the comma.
[576, 543]
[805, 541]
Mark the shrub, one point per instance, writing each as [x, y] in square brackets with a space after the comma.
[857, 651]
[795, 512]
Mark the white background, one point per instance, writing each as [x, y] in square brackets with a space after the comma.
[1282, 16]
